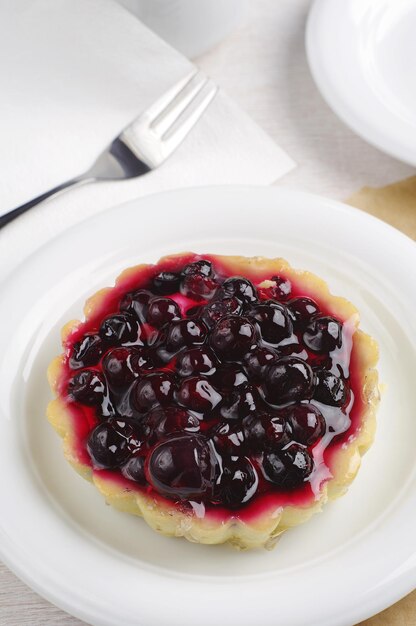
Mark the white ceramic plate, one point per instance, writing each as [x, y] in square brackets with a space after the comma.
[109, 568]
[361, 54]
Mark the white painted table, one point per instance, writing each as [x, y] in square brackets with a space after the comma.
[263, 67]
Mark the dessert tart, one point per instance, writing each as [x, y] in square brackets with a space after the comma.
[224, 399]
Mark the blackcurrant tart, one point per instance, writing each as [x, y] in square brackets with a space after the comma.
[224, 399]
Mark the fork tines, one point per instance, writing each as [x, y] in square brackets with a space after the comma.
[157, 132]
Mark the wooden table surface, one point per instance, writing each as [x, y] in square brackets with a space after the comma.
[263, 67]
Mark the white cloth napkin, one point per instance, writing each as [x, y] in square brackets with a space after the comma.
[73, 74]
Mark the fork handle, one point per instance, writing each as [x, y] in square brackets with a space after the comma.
[11, 215]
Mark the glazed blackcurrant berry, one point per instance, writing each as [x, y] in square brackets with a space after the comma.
[136, 303]
[187, 332]
[196, 361]
[106, 447]
[254, 429]
[232, 337]
[163, 421]
[282, 288]
[274, 321]
[162, 311]
[132, 431]
[152, 390]
[241, 288]
[166, 283]
[288, 380]
[278, 431]
[238, 482]
[243, 401]
[302, 310]
[307, 423]
[214, 311]
[323, 334]
[119, 367]
[198, 394]
[119, 329]
[288, 468]
[258, 360]
[182, 467]
[195, 311]
[228, 438]
[266, 431]
[293, 349]
[86, 352]
[144, 360]
[134, 470]
[329, 388]
[199, 287]
[229, 376]
[202, 267]
[87, 387]
[112, 442]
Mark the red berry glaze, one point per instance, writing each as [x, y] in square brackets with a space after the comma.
[197, 385]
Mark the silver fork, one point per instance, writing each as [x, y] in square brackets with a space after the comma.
[147, 142]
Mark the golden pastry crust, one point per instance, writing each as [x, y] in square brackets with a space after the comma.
[266, 527]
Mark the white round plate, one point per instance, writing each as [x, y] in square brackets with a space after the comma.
[361, 54]
[109, 568]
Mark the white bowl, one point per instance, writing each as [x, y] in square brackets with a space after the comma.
[361, 56]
